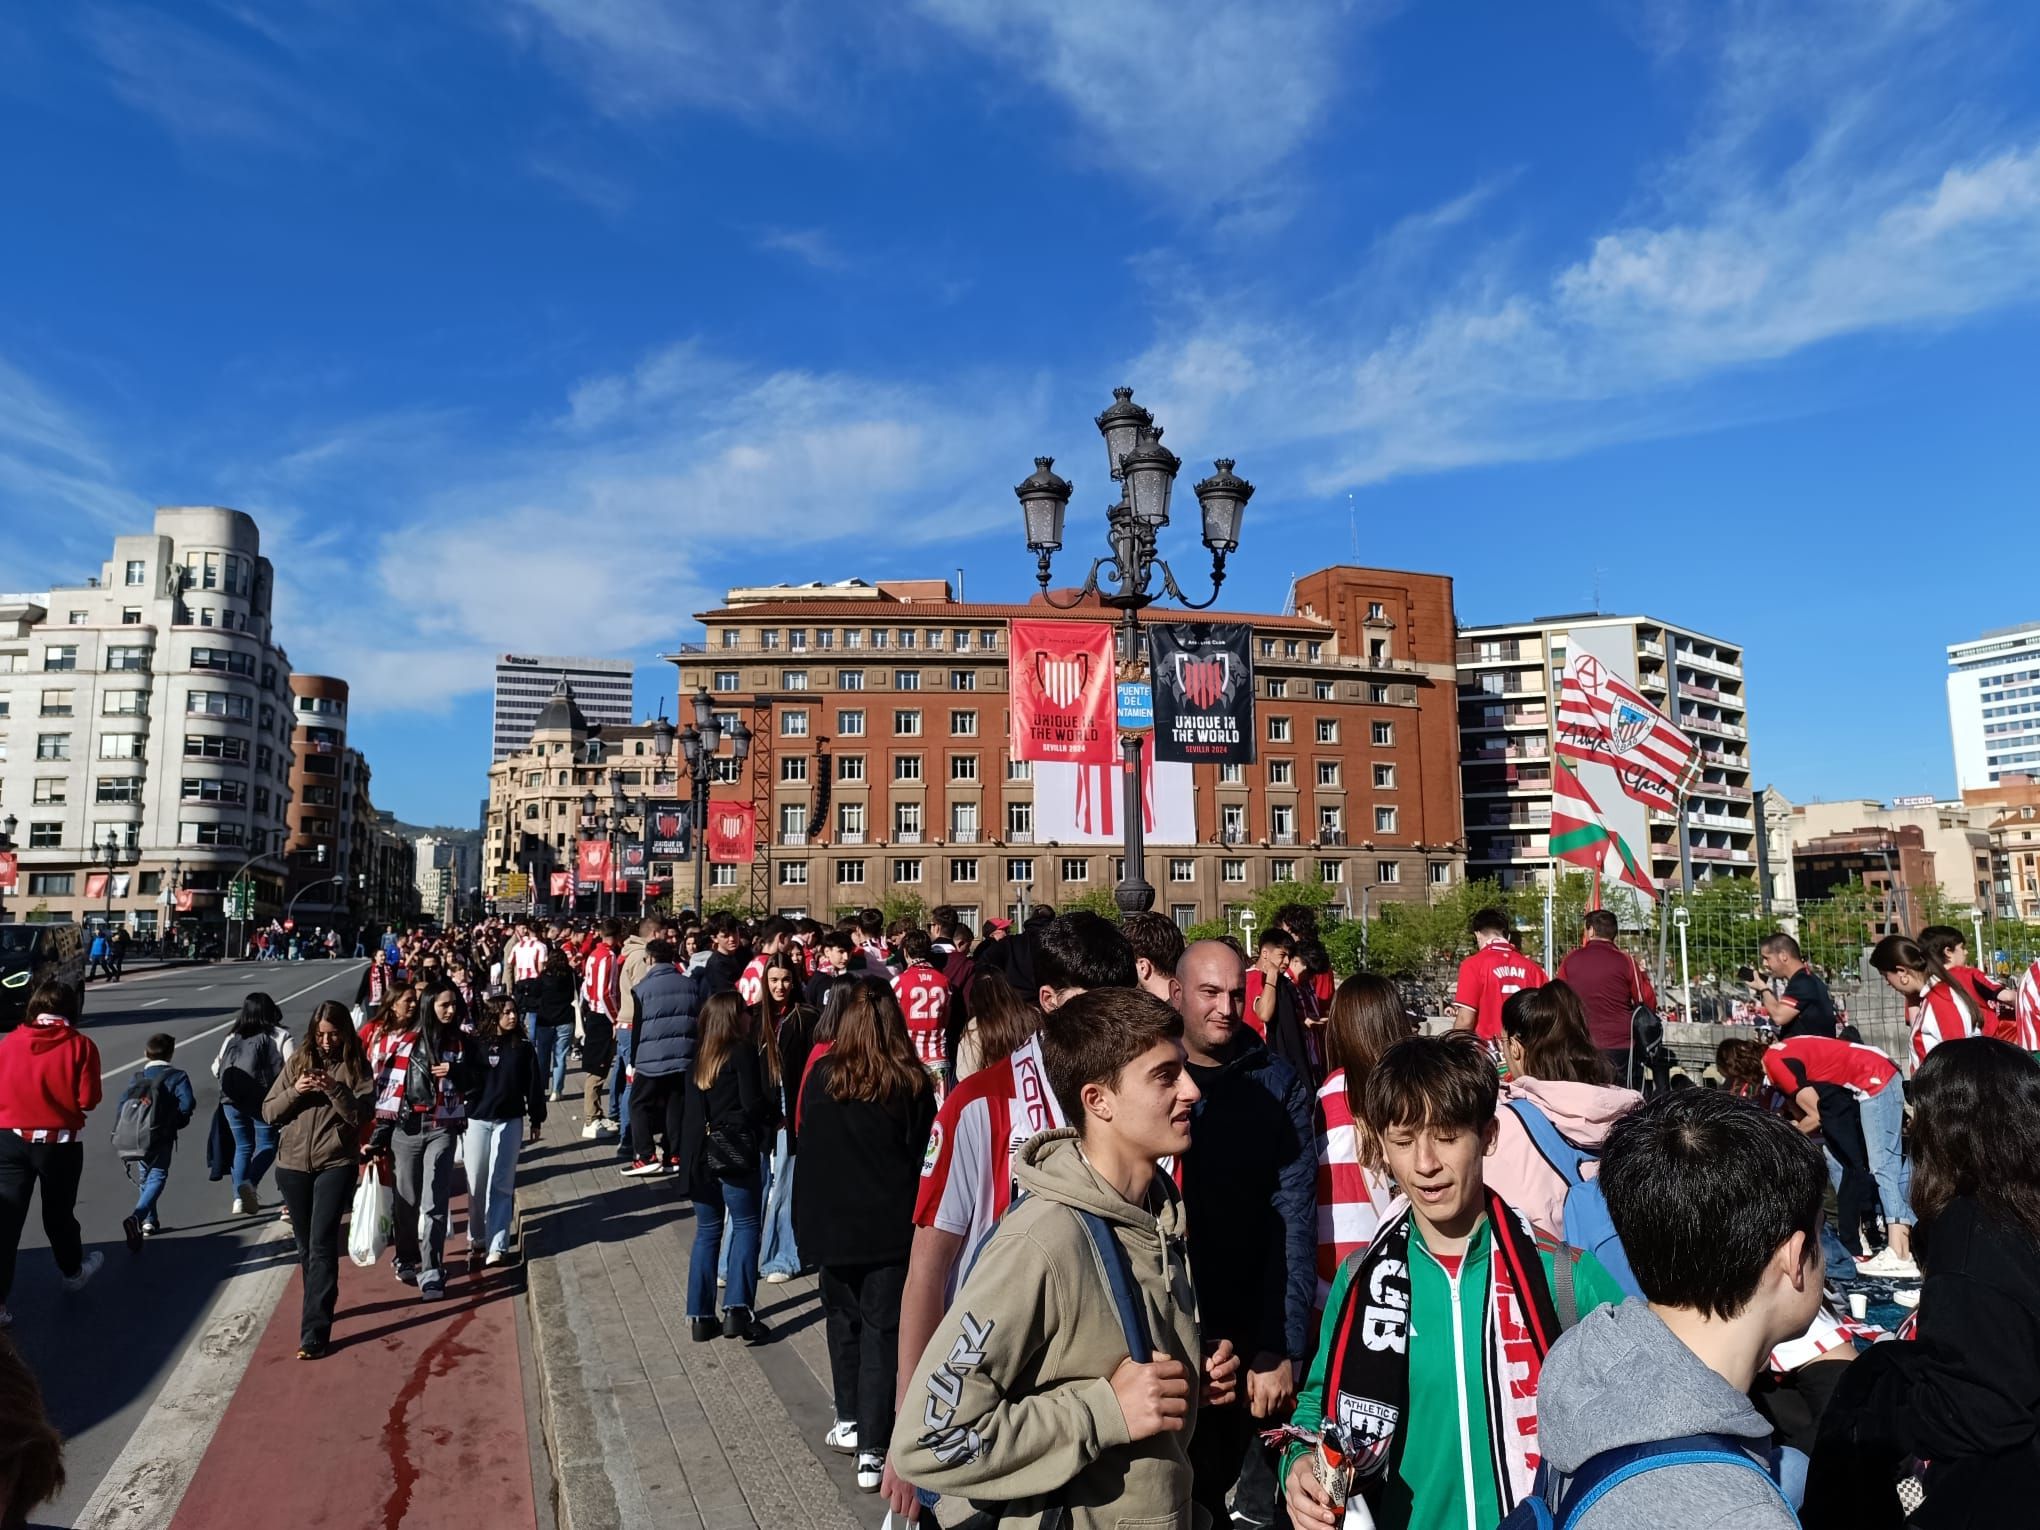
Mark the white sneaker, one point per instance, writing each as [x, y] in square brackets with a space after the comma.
[842, 1435]
[87, 1268]
[591, 1131]
[776, 1277]
[498, 1256]
[1907, 1298]
[1892, 1266]
[245, 1201]
[870, 1470]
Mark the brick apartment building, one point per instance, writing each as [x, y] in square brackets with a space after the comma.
[896, 692]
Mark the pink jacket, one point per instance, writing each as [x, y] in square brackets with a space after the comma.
[1518, 1173]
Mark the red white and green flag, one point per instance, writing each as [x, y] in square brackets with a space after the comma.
[1580, 834]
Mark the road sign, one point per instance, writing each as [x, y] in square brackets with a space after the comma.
[240, 901]
[1136, 706]
[513, 884]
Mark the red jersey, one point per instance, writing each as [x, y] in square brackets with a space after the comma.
[1805, 1061]
[924, 1000]
[1257, 980]
[1939, 1017]
[967, 1176]
[1488, 977]
[1986, 991]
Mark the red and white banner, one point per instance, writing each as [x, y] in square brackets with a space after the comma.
[562, 884]
[1084, 804]
[1064, 702]
[10, 870]
[1602, 717]
[730, 837]
[186, 901]
[95, 884]
[593, 861]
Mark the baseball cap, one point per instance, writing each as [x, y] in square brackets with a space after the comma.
[998, 924]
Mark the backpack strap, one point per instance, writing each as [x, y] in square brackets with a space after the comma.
[1551, 1143]
[1119, 1280]
[1565, 1296]
[1603, 1473]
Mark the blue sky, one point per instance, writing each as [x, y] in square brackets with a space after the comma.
[537, 323]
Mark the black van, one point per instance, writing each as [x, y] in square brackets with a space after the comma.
[29, 953]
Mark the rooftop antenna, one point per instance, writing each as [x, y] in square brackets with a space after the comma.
[1597, 589]
[1353, 520]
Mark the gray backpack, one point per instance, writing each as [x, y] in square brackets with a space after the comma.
[142, 1124]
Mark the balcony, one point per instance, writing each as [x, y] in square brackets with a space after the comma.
[1651, 648]
[1528, 749]
[1703, 692]
[1706, 661]
[1331, 836]
[1720, 821]
[1283, 837]
[849, 836]
[1506, 651]
[1715, 726]
[963, 836]
[792, 836]
[906, 836]
[1232, 836]
[1019, 836]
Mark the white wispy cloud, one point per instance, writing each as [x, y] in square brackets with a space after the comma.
[1895, 215]
[810, 245]
[203, 88]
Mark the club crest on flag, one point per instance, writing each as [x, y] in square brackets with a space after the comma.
[669, 826]
[1627, 727]
[1204, 679]
[1062, 678]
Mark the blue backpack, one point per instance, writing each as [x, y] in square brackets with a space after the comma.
[1554, 1507]
[1587, 1223]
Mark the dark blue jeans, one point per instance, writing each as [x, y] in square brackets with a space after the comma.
[740, 1199]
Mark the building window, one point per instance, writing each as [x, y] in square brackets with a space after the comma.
[1282, 772]
[849, 873]
[45, 836]
[850, 679]
[1076, 868]
[963, 724]
[1331, 871]
[793, 769]
[906, 871]
[935, 637]
[57, 703]
[1232, 823]
[792, 824]
[1019, 770]
[126, 658]
[53, 746]
[1232, 775]
[77, 619]
[1384, 820]
[1232, 871]
[1277, 689]
[730, 637]
[212, 746]
[793, 679]
[50, 791]
[119, 746]
[1327, 772]
[963, 822]
[223, 660]
[963, 767]
[1020, 871]
[1327, 730]
[1267, 648]
[123, 703]
[768, 637]
[793, 724]
[850, 769]
[964, 869]
[49, 884]
[850, 724]
[1278, 730]
[850, 820]
[1378, 694]
[1282, 821]
[727, 770]
[906, 723]
[218, 704]
[878, 637]
[1384, 734]
[907, 637]
[1182, 868]
[1441, 873]
[1289, 648]
[793, 873]
[1330, 820]
[62, 657]
[137, 571]
[203, 789]
[1019, 820]
[722, 876]
[1282, 871]
[796, 639]
[117, 789]
[1384, 778]
[1321, 690]
[825, 637]
[963, 679]
[906, 767]
[1376, 612]
[726, 679]
[210, 834]
[906, 820]
[1387, 872]
[906, 680]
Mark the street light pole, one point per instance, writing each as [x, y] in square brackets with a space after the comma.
[109, 856]
[1681, 918]
[1146, 471]
[699, 742]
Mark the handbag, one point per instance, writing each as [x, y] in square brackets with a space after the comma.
[732, 1149]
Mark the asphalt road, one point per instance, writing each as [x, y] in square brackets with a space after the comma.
[103, 1353]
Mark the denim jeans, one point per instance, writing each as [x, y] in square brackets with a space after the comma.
[740, 1198]
[619, 1094]
[563, 1040]
[254, 1145]
[422, 1189]
[777, 1254]
[729, 1236]
[154, 1177]
[490, 1151]
[1883, 1126]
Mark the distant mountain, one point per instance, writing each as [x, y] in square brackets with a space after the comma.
[456, 836]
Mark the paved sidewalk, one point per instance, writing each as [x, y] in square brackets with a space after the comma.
[644, 1426]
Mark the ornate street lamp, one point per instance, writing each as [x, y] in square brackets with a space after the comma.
[1146, 471]
[699, 744]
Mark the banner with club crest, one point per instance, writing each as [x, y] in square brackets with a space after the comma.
[1063, 696]
[1203, 679]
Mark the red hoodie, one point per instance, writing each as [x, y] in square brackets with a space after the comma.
[49, 1077]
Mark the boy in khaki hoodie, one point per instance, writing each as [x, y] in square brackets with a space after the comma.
[1026, 1400]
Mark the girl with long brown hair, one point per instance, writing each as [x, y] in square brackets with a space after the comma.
[1941, 1009]
[866, 1109]
[786, 1029]
[1367, 1018]
[730, 1108]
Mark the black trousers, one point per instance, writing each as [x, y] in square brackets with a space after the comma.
[57, 1167]
[862, 1305]
[655, 1106]
[316, 1202]
[1841, 1128]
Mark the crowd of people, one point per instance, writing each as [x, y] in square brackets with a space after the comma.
[1120, 1229]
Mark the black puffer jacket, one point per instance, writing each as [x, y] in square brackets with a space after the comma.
[668, 1028]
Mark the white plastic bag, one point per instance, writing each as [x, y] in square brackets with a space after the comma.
[373, 1223]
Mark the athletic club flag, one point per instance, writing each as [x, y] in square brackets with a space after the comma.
[1579, 834]
[562, 884]
[729, 833]
[95, 884]
[1085, 804]
[1600, 717]
[2026, 1012]
[9, 870]
[1203, 678]
[1064, 704]
[594, 861]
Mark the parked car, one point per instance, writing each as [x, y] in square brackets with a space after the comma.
[28, 954]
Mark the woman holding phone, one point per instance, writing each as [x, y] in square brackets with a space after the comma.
[317, 1105]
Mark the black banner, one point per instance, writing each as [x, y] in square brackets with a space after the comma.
[1203, 679]
[632, 863]
[670, 833]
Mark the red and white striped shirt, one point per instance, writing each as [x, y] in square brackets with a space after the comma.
[1939, 1017]
[1352, 1199]
[2027, 1011]
[924, 1000]
[967, 1176]
[600, 989]
[1803, 1061]
[527, 958]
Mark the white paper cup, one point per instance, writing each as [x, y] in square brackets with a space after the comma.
[1859, 1305]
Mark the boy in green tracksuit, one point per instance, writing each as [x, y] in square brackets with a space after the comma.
[1426, 1369]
